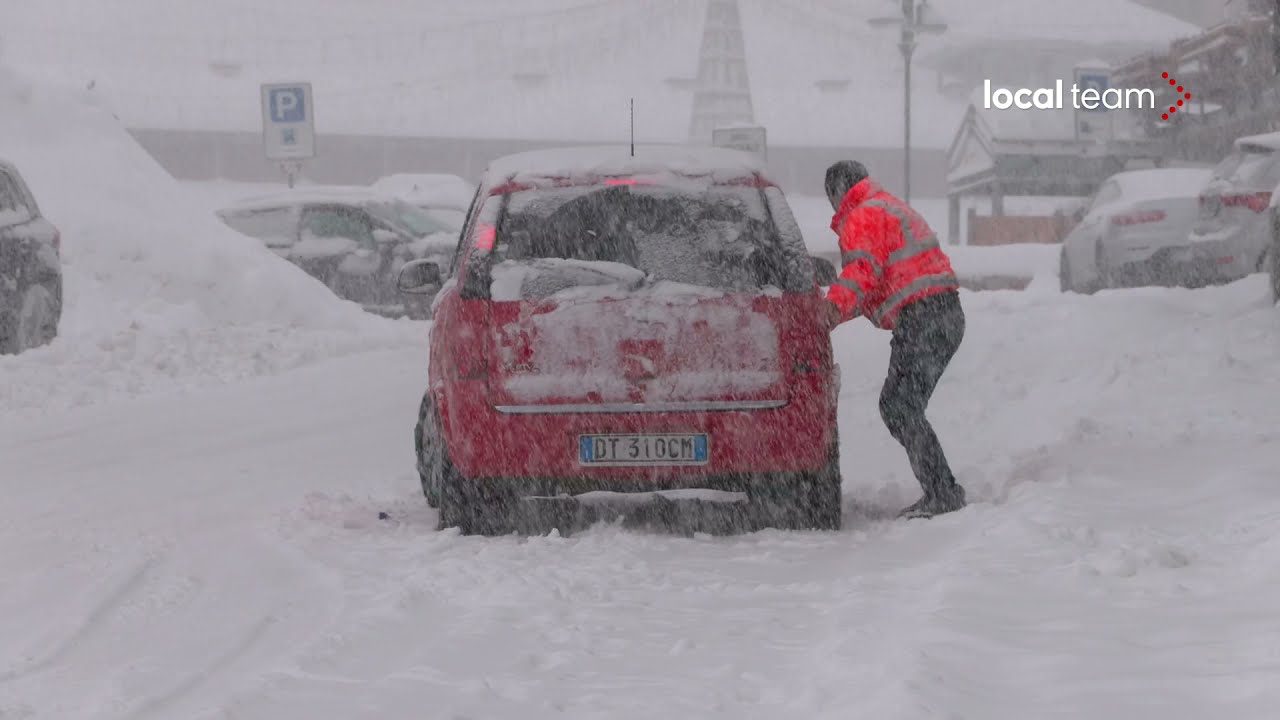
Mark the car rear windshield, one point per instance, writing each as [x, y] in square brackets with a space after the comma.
[721, 237]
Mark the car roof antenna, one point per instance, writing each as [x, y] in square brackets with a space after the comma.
[633, 127]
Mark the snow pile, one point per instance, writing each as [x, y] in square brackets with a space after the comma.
[433, 190]
[547, 277]
[152, 280]
[1043, 377]
[1034, 262]
[700, 348]
[662, 165]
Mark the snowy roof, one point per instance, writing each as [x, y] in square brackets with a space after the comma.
[1266, 141]
[555, 70]
[617, 160]
[435, 189]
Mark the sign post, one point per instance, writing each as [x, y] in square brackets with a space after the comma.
[752, 139]
[1095, 123]
[288, 126]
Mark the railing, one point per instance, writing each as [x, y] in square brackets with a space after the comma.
[1017, 229]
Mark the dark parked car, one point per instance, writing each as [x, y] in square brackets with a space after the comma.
[644, 324]
[30, 268]
[353, 240]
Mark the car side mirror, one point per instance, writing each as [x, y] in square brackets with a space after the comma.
[419, 277]
[386, 237]
[824, 272]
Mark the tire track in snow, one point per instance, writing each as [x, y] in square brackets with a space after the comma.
[95, 620]
[153, 705]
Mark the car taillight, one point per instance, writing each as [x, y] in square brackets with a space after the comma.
[485, 237]
[1138, 218]
[1257, 202]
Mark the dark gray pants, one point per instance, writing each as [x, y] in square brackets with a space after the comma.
[927, 334]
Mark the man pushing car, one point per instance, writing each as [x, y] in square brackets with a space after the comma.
[897, 276]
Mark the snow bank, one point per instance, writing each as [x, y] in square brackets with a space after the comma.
[1031, 262]
[150, 275]
[434, 190]
[1050, 375]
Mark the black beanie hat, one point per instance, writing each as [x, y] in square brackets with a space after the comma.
[842, 176]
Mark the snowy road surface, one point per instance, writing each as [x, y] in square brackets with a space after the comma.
[218, 554]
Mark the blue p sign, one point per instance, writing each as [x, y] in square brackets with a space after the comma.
[1098, 83]
[288, 105]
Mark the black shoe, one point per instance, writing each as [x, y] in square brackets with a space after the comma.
[935, 504]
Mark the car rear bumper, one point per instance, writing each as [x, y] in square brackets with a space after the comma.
[1186, 266]
[1135, 247]
[744, 441]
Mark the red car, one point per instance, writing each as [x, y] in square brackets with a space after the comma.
[628, 324]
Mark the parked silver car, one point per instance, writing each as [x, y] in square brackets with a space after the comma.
[1133, 225]
[352, 239]
[1232, 234]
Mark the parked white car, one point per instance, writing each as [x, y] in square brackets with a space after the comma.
[446, 197]
[1133, 229]
[1232, 231]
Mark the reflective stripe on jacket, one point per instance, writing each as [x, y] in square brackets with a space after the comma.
[890, 255]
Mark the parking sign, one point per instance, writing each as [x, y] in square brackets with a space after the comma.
[1099, 83]
[288, 123]
[1096, 124]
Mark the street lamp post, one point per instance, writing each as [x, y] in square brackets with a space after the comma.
[911, 24]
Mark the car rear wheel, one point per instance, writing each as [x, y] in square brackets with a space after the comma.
[426, 441]
[475, 507]
[813, 501]
[1064, 271]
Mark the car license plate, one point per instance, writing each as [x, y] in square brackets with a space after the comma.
[636, 449]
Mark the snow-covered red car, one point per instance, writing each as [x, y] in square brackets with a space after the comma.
[630, 324]
[30, 268]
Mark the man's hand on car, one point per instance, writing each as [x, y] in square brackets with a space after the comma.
[832, 315]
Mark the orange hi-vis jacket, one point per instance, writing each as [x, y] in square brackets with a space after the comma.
[890, 255]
